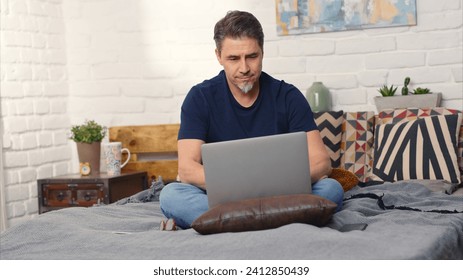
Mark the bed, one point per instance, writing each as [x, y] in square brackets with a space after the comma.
[407, 219]
[426, 223]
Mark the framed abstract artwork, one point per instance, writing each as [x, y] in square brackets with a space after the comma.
[315, 16]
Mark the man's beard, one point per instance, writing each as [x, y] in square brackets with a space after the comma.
[246, 87]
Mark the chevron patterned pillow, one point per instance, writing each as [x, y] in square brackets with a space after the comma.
[330, 126]
[421, 149]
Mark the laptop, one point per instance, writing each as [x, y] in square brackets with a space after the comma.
[256, 167]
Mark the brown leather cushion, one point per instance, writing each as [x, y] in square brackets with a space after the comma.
[347, 179]
[265, 213]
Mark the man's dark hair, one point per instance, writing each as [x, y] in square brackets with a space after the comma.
[238, 24]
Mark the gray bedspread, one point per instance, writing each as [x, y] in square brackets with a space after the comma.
[130, 231]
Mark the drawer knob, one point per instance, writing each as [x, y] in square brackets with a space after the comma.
[60, 196]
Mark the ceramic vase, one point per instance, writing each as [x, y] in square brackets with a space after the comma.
[319, 97]
[90, 153]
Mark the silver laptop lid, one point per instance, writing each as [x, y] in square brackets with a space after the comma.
[256, 167]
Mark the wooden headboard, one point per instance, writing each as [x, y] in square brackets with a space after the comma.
[153, 148]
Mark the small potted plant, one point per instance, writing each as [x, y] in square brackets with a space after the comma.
[419, 98]
[387, 91]
[419, 90]
[405, 87]
[88, 137]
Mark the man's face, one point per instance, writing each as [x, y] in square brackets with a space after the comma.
[242, 62]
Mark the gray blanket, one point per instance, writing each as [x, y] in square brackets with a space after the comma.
[131, 231]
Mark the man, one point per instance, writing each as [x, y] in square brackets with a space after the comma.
[240, 102]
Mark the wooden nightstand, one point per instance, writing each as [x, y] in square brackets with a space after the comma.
[83, 191]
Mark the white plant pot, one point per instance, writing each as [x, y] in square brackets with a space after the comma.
[431, 100]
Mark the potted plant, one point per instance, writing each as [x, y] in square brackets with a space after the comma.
[88, 137]
[419, 98]
[385, 91]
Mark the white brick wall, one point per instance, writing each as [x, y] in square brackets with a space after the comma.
[34, 97]
[120, 63]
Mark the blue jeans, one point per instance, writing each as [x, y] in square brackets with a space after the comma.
[184, 202]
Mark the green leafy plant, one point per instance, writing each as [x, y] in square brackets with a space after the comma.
[405, 87]
[387, 91]
[89, 132]
[390, 91]
[419, 90]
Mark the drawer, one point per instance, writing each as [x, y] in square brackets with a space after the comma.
[64, 195]
[56, 195]
[88, 195]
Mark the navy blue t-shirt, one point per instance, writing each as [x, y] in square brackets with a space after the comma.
[211, 113]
